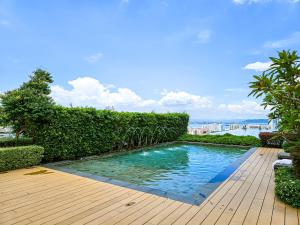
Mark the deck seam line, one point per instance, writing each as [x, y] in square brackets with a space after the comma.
[270, 160]
[256, 158]
[95, 193]
[266, 160]
[262, 160]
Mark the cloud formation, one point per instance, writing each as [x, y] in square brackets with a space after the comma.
[204, 36]
[5, 23]
[94, 57]
[244, 108]
[258, 66]
[241, 2]
[124, 1]
[293, 39]
[185, 99]
[87, 91]
[90, 92]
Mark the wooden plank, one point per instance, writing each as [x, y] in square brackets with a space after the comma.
[101, 204]
[67, 202]
[237, 210]
[32, 191]
[278, 216]
[49, 195]
[165, 213]
[100, 216]
[187, 216]
[156, 203]
[265, 216]
[62, 198]
[63, 212]
[218, 202]
[291, 216]
[134, 208]
[152, 213]
[247, 190]
[176, 214]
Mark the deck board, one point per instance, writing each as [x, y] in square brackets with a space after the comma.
[54, 197]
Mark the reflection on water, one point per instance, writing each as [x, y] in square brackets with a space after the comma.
[180, 169]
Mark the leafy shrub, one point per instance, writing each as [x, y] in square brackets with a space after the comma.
[77, 132]
[270, 139]
[12, 142]
[287, 187]
[227, 139]
[20, 157]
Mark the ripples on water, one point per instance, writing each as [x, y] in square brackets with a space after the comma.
[179, 168]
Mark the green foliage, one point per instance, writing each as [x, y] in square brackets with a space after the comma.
[279, 87]
[271, 139]
[227, 139]
[20, 157]
[2, 114]
[12, 142]
[29, 106]
[287, 187]
[294, 149]
[78, 132]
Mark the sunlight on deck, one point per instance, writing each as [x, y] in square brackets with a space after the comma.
[43, 196]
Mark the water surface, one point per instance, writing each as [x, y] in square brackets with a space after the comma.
[179, 169]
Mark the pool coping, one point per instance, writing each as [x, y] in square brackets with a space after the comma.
[206, 190]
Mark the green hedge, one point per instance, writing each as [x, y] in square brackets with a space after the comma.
[12, 142]
[78, 132]
[20, 157]
[287, 187]
[227, 139]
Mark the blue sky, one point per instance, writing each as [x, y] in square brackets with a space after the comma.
[143, 55]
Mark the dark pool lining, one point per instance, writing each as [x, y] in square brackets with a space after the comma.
[205, 191]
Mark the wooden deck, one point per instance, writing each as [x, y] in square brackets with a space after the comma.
[53, 197]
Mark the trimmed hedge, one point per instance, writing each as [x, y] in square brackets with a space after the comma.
[12, 142]
[77, 132]
[227, 139]
[270, 139]
[20, 157]
[287, 186]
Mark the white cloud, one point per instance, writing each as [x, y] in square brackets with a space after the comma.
[241, 2]
[87, 91]
[258, 66]
[125, 1]
[90, 92]
[245, 108]
[293, 39]
[165, 3]
[182, 98]
[94, 58]
[5, 23]
[204, 36]
[237, 90]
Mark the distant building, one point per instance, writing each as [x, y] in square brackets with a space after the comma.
[206, 129]
[198, 131]
[234, 126]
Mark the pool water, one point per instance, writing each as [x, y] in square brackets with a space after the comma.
[181, 170]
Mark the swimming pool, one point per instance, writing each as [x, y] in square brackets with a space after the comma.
[185, 172]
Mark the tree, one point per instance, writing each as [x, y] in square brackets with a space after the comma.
[279, 86]
[29, 106]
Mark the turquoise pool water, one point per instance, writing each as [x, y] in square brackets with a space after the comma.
[181, 170]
